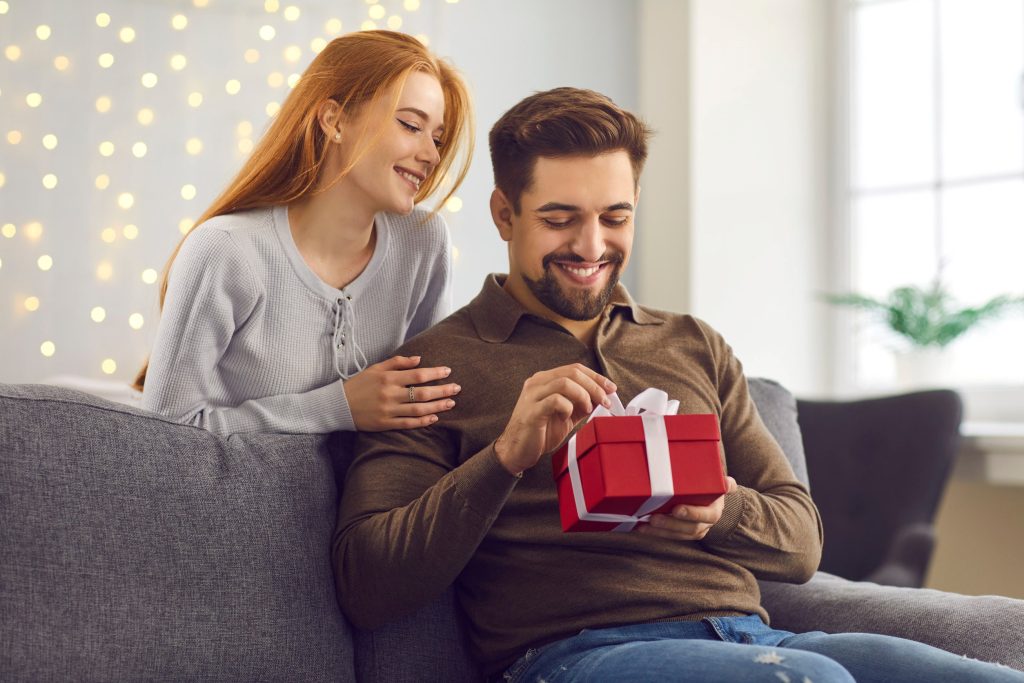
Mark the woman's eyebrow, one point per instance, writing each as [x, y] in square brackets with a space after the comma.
[422, 114]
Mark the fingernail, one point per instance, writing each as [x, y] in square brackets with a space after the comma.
[682, 513]
[449, 403]
[610, 387]
[433, 418]
[415, 358]
[606, 402]
[447, 371]
[457, 389]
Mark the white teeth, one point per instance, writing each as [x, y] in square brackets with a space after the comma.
[582, 272]
[411, 178]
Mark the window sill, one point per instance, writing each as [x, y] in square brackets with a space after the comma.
[992, 452]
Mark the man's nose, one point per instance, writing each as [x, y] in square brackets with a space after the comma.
[589, 239]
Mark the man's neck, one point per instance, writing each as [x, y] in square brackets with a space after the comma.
[584, 330]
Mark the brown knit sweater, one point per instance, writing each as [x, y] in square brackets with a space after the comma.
[428, 507]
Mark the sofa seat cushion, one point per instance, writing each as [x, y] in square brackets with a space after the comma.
[134, 548]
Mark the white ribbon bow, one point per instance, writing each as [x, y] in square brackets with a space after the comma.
[651, 405]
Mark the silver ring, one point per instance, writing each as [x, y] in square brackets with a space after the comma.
[412, 395]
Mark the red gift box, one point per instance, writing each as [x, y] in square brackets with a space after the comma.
[612, 459]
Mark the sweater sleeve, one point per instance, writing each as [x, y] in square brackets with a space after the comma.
[436, 303]
[211, 294]
[770, 525]
[410, 520]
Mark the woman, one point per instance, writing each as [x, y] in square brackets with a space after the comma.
[313, 264]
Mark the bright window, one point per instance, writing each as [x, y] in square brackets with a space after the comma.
[936, 174]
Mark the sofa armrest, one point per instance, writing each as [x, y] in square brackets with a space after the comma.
[978, 627]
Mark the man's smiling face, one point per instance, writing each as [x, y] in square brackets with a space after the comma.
[573, 235]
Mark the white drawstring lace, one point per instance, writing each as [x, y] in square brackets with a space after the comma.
[344, 339]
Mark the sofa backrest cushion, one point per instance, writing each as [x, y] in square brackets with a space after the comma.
[133, 548]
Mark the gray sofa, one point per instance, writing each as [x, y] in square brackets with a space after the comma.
[132, 548]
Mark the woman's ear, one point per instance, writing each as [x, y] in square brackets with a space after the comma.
[330, 118]
[501, 213]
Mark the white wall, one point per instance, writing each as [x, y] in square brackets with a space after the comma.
[756, 108]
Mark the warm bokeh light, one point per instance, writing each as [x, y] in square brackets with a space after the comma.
[195, 99]
[108, 365]
[108, 235]
[3, 180]
[272, 108]
[12, 52]
[31, 303]
[292, 53]
[106, 148]
[377, 12]
[103, 20]
[98, 314]
[423, 38]
[145, 116]
[275, 79]
[126, 34]
[317, 45]
[14, 137]
[267, 32]
[149, 276]
[50, 141]
[126, 200]
[245, 145]
[178, 62]
[454, 204]
[200, 3]
[194, 146]
[368, 25]
[105, 270]
[244, 128]
[291, 13]
[271, 5]
[44, 262]
[9, 230]
[103, 104]
[34, 230]
[149, 79]
[411, 5]
[49, 181]
[102, 181]
[179, 21]
[61, 63]
[188, 192]
[105, 60]
[293, 80]
[136, 321]
[139, 150]
[185, 224]
[33, 99]
[43, 32]
[394, 22]
[233, 86]
[252, 55]
[333, 26]
[47, 348]
[130, 231]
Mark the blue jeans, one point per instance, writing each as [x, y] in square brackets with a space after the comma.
[740, 649]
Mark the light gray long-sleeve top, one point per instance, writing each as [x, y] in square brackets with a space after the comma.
[251, 339]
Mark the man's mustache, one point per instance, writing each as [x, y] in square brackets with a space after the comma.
[613, 258]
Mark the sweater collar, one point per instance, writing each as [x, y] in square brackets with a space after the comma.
[496, 313]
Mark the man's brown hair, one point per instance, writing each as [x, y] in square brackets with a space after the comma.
[560, 123]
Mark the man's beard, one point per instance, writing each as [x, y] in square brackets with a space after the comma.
[576, 304]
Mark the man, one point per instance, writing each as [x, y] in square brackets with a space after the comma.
[471, 499]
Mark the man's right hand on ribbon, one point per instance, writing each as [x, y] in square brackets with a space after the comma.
[549, 406]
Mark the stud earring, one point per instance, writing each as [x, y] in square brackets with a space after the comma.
[337, 136]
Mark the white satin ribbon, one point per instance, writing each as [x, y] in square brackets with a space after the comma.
[651, 405]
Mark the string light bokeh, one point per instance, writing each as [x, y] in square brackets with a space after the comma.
[120, 121]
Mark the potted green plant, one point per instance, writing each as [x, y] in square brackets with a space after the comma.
[929, 319]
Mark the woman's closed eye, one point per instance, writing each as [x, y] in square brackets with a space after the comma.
[412, 128]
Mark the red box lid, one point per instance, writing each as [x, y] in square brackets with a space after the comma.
[630, 428]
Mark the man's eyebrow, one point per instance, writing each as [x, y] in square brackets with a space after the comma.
[556, 206]
[419, 112]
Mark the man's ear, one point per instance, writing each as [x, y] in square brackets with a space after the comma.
[330, 118]
[501, 213]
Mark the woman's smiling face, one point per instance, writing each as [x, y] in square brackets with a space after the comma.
[406, 150]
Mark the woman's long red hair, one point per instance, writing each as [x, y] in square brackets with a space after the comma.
[354, 70]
